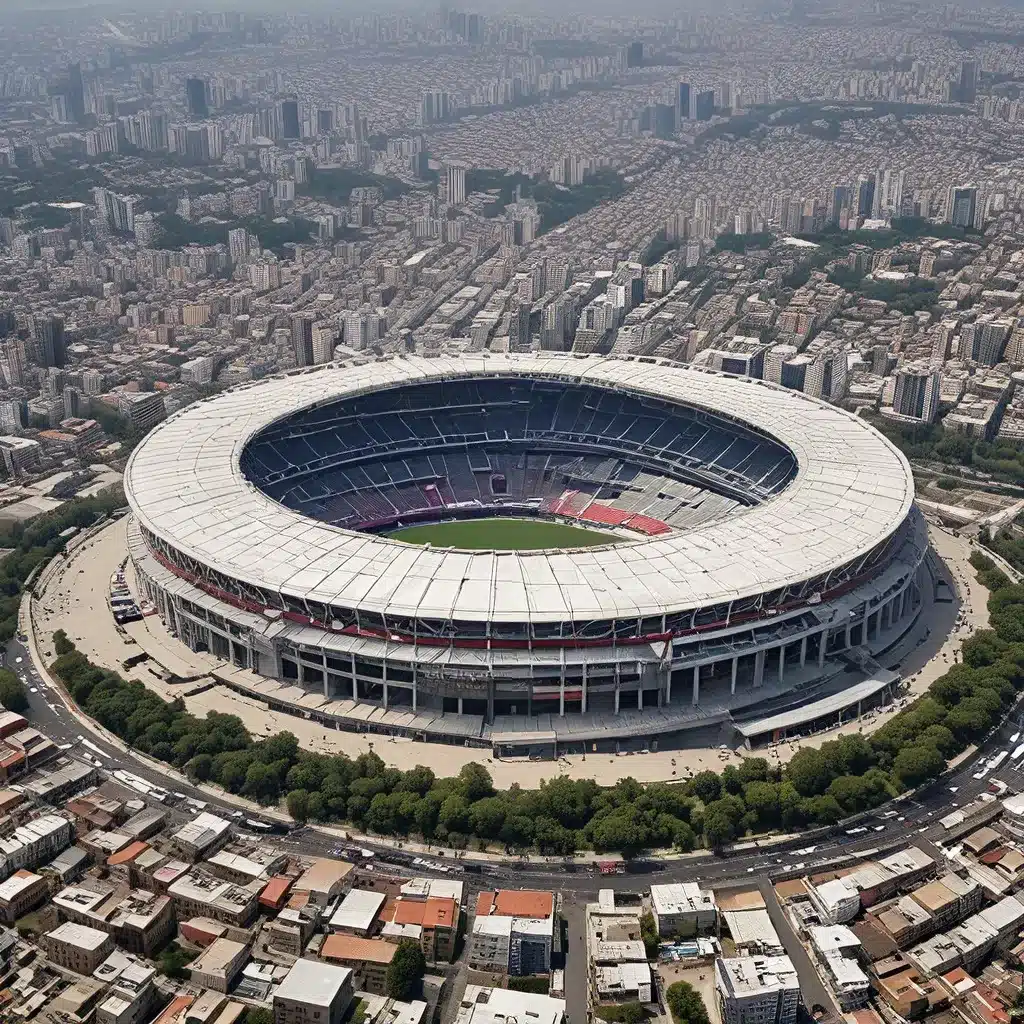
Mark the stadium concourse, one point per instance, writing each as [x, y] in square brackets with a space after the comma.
[764, 553]
[74, 598]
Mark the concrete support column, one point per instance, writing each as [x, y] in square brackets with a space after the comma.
[668, 687]
[616, 697]
[415, 693]
[847, 636]
[822, 647]
[782, 663]
[490, 701]
[640, 695]
[385, 688]
[759, 668]
[583, 701]
[355, 689]
[460, 705]
[803, 652]
[696, 684]
[735, 668]
[561, 697]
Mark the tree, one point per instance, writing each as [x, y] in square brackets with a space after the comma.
[649, 934]
[917, 764]
[173, 961]
[258, 1015]
[686, 1004]
[298, 804]
[405, 972]
[706, 785]
[13, 695]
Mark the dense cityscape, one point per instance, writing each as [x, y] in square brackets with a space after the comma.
[512, 516]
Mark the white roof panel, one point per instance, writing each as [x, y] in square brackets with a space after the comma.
[852, 490]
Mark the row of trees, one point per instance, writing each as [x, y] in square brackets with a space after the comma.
[819, 786]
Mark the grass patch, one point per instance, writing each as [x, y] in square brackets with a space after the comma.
[502, 534]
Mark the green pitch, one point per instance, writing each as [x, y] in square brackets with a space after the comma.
[502, 534]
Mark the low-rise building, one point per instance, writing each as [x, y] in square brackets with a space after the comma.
[481, 1005]
[357, 913]
[513, 932]
[324, 879]
[367, 958]
[199, 895]
[77, 947]
[313, 992]
[757, 990]
[683, 909]
[836, 901]
[219, 964]
[837, 951]
[202, 836]
[19, 894]
[292, 929]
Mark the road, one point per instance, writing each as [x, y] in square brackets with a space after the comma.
[914, 820]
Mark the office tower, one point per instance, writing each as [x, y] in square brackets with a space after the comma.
[664, 120]
[195, 97]
[92, 382]
[324, 121]
[684, 101]
[865, 195]
[455, 184]
[302, 339]
[917, 392]
[968, 91]
[634, 55]
[702, 105]
[842, 199]
[290, 119]
[961, 206]
[76, 93]
[48, 333]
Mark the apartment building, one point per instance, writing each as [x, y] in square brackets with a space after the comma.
[19, 894]
[757, 990]
[684, 909]
[368, 959]
[219, 964]
[77, 947]
[313, 993]
[512, 931]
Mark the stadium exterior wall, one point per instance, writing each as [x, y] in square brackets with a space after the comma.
[506, 691]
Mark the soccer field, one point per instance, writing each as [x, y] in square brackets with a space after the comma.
[502, 534]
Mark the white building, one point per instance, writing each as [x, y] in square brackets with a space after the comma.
[836, 901]
[683, 908]
[357, 912]
[313, 993]
[204, 834]
[482, 1005]
[836, 949]
[757, 990]
[34, 843]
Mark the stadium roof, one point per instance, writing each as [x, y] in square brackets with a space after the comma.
[852, 490]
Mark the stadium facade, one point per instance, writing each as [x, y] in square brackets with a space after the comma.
[766, 547]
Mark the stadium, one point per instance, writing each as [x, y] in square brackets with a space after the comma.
[533, 553]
